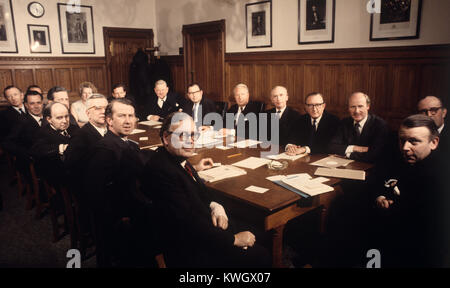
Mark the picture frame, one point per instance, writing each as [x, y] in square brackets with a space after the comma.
[396, 23]
[39, 37]
[8, 40]
[316, 20]
[258, 20]
[76, 27]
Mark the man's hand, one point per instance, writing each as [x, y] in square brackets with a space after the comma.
[384, 203]
[361, 149]
[153, 117]
[205, 163]
[293, 150]
[244, 239]
[220, 221]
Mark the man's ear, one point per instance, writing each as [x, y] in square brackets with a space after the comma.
[434, 143]
[165, 138]
[444, 112]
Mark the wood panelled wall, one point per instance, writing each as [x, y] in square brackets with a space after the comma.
[48, 72]
[395, 78]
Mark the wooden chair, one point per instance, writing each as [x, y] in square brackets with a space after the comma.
[53, 193]
[36, 192]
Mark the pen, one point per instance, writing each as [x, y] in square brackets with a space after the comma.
[234, 155]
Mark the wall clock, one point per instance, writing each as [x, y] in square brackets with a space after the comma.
[36, 9]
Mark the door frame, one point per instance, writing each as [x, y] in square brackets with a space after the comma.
[200, 28]
[110, 32]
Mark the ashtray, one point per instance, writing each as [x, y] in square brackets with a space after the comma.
[277, 165]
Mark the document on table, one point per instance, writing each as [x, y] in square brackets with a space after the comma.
[136, 131]
[221, 172]
[252, 162]
[206, 141]
[302, 184]
[256, 189]
[150, 123]
[332, 162]
[341, 173]
[221, 147]
[246, 143]
[285, 156]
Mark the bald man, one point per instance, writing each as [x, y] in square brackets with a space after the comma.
[362, 136]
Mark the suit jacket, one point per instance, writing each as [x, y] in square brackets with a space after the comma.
[45, 151]
[20, 140]
[244, 119]
[206, 105]
[444, 140]
[110, 186]
[288, 124]
[170, 105]
[182, 205]
[8, 119]
[374, 135]
[318, 140]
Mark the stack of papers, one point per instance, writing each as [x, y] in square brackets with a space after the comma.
[302, 184]
[246, 143]
[252, 163]
[220, 173]
[332, 162]
[205, 140]
[150, 123]
[285, 156]
[341, 173]
[136, 131]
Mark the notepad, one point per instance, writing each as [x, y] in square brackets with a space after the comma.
[136, 131]
[302, 184]
[332, 162]
[341, 173]
[285, 156]
[256, 189]
[221, 172]
[252, 163]
[150, 123]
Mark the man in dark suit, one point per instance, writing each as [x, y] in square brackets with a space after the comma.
[245, 114]
[198, 106]
[61, 95]
[110, 183]
[287, 118]
[194, 229]
[51, 141]
[14, 114]
[21, 137]
[314, 129]
[120, 91]
[413, 196]
[164, 103]
[362, 136]
[433, 107]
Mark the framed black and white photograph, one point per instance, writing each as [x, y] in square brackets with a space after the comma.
[39, 37]
[316, 21]
[76, 29]
[8, 41]
[399, 19]
[259, 24]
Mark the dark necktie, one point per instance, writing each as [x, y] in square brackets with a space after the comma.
[357, 133]
[278, 114]
[312, 134]
[65, 134]
[21, 112]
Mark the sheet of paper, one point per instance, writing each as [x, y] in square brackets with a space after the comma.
[252, 162]
[157, 127]
[275, 178]
[341, 173]
[136, 131]
[256, 189]
[143, 138]
[286, 157]
[221, 172]
[150, 123]
[312, 188]
[320, 180]
[205, 141]
[221, 147]
[246, 143]
[332, 162]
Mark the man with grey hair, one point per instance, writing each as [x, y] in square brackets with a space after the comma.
[363, 136]
[433, 107]
[164, 103]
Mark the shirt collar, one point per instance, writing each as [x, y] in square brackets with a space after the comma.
[37, 118]
[163, 99]
[317, 120]
[362, 122]
[19, 108]
[101, 130]
[281, 110]
[441, 128]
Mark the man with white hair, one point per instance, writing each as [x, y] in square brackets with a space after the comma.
[164, 103]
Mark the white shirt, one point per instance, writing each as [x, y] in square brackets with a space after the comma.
[349, 149]
[240, 109]
[101, 130]
[20, 109]
[161, 101]
[281, 111]
[441, 128]
[37, 118]
[195, 109]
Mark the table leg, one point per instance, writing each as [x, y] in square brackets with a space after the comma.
[277, 248]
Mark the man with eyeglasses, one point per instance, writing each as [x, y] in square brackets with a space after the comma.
[198, 106]
[362, 136]
[110, 183]
[433, 107]
[315, 129]
[193, 228]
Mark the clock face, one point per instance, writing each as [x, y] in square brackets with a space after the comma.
[36, 9]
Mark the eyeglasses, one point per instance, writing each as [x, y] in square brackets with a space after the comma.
[192, 93]
[97, 108]
[184, 136]
[314, 105]
[432, 110]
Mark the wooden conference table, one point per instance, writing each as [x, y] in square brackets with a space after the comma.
[276, 206]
